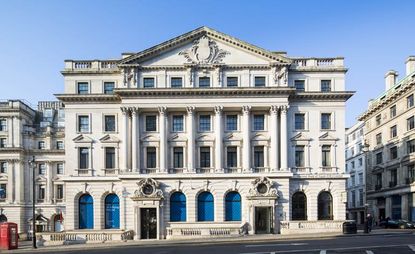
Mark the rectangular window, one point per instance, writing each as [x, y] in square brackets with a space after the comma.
[325, 85]
[3, 191]
[378, 120]
[83, 88]
[204, 82]
[109, 157]
[59, 145]
[379, 139]
[299, 85]
[232, 81]
[59, 191]
[353, 202]
[360, 161]
[41, 145]
[410, 146]
[326, 121]
[151, 123]
[361, 201]
[411, 173]
[231, 157]
[394, 178]
[205, 157]
[393, 131]
[2, 142]
[410, 123]
[3, 167]
[258, 156]
[299, 121]
[232, 122]
[178, 157]
[360, 178]
[41, 193]
[178, 123]
[176, 82]
[109, 87]
[259, 124]
[393, 151]
[204, 123]
[3, 125]
[379, 158]
[83, 124]
[151, 157]
[299, 156]
[410, 101]
[59, 169]
[392, 111]
[148, 82]
[83, 158]
[42, 169]
[326, 156]
[378, 181]
[353, 165]
[259, 81]
[109, 124]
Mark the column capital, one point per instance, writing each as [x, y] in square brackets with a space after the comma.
[246, 109]
[134, 110]
[162, 110]
[274, 109]
[190, 109]
[284, 109]
[125, 110]
[218, 109]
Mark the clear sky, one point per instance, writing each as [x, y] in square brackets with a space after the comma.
[36, 36]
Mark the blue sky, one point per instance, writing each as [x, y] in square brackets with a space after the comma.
[36, 36]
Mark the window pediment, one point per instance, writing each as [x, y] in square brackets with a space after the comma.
[82, 139]
[327, 137]
[109, 139]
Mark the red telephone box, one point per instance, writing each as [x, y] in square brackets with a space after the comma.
[8, 236]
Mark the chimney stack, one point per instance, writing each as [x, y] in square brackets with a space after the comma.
[410, 65]
[390, 79]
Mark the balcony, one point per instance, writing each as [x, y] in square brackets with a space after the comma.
[318, 62]
[90, 65]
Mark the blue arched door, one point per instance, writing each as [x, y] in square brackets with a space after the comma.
[178, 207]
[205, 207]
[112, 211]
[233, 206]
[86, 212]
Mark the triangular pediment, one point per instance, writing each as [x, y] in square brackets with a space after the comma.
[328, 137]
[204, 46]
[204, 137]
[149, 138]
[82, 139]
[109, 139]
[300, 137]
[259, 137]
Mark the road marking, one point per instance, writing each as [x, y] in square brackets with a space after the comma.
[412, 247]
[273, 245]
[323, 252]
[369, 252]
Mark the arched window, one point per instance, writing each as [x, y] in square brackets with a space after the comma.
[3, 218]
[325, 206]
[177, 207]
[205, 210]
[299, 206]
[86, 212]
[112, 211]
[233, 206]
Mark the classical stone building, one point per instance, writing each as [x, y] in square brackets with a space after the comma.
[390, 137]
[355, 166]
[204, 135]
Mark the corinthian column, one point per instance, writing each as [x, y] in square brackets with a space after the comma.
[246, 151]
[284, 141]
[190, 139]
[135, 136]
[218, 139]
[274, 151]
[163, 140]
[125, 113]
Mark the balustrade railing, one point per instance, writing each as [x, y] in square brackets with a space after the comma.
[318, 62]
[85, 65]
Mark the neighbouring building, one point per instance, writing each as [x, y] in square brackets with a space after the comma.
[355, 166]
[390, 136]
[203, 135]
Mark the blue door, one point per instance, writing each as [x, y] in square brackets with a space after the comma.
[205, 207]
[178, 207]
[112, 211]
[233, 206]
[86, 212]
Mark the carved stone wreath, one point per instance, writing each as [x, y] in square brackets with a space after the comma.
[263, 187]
[148, 188]
[204, 51]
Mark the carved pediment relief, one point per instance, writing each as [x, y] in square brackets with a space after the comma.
[82, 139]
[205, 137]
[301, 137]
[263, 187]
[150, 138]
[328, 137]
[177, 137]
[204, 51]
[109, 139]
[259, 137]
[148, 188]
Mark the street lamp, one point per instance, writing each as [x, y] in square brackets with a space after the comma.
[32, 165]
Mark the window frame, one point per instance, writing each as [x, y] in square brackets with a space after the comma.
[257, 77]
[146, 78]
[78, 123]
[176, 78]
[146, 129]
[204, 78]
[88, 86]
[232, 77]
[295, 85]
[330, 82]
[104, 87]
[199, 123]
[173, 124]
[254, 122]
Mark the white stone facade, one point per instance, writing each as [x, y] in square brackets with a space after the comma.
[206, 112]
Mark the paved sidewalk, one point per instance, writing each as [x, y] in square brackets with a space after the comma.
[26, 246]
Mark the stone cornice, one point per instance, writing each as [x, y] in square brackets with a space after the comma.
[327, 96]
[318, 69]
[88, 98]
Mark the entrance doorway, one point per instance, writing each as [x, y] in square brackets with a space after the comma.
[263, 220]
[148, 223]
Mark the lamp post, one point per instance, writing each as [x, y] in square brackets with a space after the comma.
[32, 166]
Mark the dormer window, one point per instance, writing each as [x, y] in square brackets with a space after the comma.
[148, 82]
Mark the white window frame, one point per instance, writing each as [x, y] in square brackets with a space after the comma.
[89, 123]
[103, 122]
[82, 81]
[177, 76]
[149, 76]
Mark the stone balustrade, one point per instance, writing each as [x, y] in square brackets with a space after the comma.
[90, 65]
[297, 227]
[202, 230]
[78, 237]
[318, 62]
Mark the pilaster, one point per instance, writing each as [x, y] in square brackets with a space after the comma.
[218, 138]
[246, 154]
